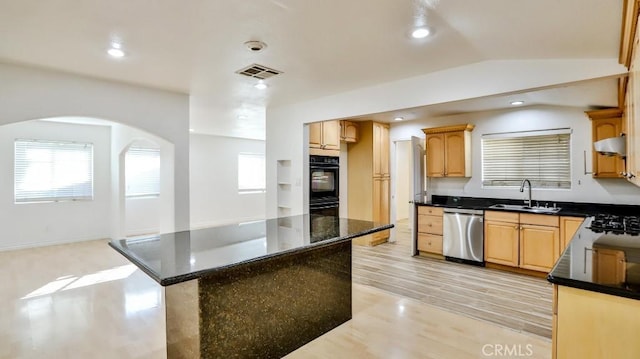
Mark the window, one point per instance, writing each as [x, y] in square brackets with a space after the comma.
[543, 157]
[53, 171]
[251, 173]
[142, 172]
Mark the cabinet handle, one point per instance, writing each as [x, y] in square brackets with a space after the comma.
[516, 227]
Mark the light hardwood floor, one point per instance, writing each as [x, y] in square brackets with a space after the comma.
[84, 300]
[519, 302]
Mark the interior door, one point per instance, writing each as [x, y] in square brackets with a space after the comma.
[417, 187]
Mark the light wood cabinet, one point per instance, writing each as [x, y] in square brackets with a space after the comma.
[348, 131]
[605, 124]
[528, 241]
[590, 325]
[568, 228]
[631, 117]
[501, 238]
[449, 151]
[369, 180]
[430, 229]
[324, 138]
[609, 266]
[539, 247]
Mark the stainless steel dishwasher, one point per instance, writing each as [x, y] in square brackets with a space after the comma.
[463, 235]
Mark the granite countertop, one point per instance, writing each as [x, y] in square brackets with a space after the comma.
[178, 257]
[600, 261]
[575, 209]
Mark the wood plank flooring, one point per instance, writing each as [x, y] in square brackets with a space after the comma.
[512, 300]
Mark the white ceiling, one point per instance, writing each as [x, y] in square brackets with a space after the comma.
[323, 47]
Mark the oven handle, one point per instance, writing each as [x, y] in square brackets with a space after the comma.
[324, 207]
[330, 167]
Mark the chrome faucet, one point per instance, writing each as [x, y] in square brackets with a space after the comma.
[522, 190]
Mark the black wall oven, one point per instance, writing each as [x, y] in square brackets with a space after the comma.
[324, 174]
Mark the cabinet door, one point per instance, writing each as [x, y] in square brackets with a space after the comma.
[381, 205]
[435, 155]
[539, 247]
[349, 131]
[331, 135]
[380, 150]
[568, 228]
[429, 243]
[454, 164]
[315, 135]
[501, 243]
[609, 266]
[606, 166]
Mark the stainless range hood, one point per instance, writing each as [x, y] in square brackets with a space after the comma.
[614, 146]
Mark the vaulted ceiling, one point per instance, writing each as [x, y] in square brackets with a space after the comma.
[322, 47]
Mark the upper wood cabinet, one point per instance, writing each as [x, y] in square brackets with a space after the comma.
[381, 149]
[324, 138]
[606, 124]
[449, 151]
[348, 131]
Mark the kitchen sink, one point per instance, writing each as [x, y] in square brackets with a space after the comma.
[524, 208]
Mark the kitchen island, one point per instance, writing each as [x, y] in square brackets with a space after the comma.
[257, 289]
[596, 304]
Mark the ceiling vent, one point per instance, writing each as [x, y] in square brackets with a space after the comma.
[258, 71]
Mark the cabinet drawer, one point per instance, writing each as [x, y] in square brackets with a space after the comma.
[430, 224]
[429, 243]
[540, 219]
[502, 216]
[433, 211]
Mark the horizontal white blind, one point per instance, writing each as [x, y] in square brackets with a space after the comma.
[53, 171]
[142, 172]
[543, 159]
[251, 173]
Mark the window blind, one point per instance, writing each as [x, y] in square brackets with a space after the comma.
[142, 172]
[52, 171]
[251, 173]
[543, 157]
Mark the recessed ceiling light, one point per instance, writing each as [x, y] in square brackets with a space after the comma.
[398, 119]
[420, 33]
[116, 50]
[517, 103]
[191, 130]
[260, 85]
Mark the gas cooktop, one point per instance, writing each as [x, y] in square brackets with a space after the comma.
[616, 224]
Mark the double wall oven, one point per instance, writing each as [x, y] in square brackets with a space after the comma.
[324, 174]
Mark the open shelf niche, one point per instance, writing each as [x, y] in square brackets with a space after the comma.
[284, 187]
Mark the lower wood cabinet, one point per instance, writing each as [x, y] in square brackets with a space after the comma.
[501, 243]
[429, 229]
[539, 247]
[568, 228]
[594, 325]
[609, 266]
[527, 241]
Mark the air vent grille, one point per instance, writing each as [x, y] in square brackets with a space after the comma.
[258, 71]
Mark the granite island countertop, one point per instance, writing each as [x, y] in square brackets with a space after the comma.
[600, 261]
[181, 256]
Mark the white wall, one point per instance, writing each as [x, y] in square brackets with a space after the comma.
[584, 188]
[34, 224]
[285, 132]
[214, 181]
[28, 93]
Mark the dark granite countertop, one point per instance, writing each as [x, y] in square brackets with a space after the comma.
[602, 262]
[178, 257]
[577, 209]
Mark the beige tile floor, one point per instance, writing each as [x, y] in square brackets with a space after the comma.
[84, 300]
